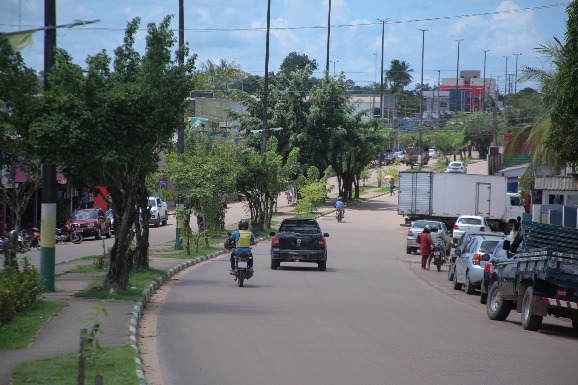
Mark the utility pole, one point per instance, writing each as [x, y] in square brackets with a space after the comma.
[484, 94]
[506, 81]
[420, 126]
[516, 75]
[457, 106]
[180, 130]
[328, 36]
[266, 85]
[439, 99]
[48, 209]
[381, 104]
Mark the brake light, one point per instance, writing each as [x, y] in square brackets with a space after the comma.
[321, 242]
[476, 259]
[410, 233]
[456, 227]
[488, 268]
[275, 241]
[482, 228]
[560, 293]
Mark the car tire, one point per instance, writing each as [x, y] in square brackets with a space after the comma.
[322, 265]
[109, 233]
[469, 287]
[408, 250]
[158, 222]
[457, 285]
[98, 234]
[529, 320]
[575, 323]
[497, 308]
[274, 264]
[450, 273]
[483, 298]
[165, 220]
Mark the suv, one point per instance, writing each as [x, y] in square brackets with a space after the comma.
[91, 222]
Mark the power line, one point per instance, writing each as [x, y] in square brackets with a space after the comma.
[516, 10]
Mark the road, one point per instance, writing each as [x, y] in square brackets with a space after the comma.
[372, 318]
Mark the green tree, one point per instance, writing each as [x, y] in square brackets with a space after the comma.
[563, 137]
[479, 132]
[398, 75]
[295, 61]
[116, 122]
[19, 90]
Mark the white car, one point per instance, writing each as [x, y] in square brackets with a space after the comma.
[470, 223]
[433, 153]
[400, 155]
[459, 167]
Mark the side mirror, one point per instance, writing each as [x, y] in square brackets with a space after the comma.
[486, 257]
[325, 235]
[272, 233]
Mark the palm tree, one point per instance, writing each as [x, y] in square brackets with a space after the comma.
[534, 136]
[398, 75]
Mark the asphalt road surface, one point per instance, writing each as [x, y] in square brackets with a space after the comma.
[372, 318]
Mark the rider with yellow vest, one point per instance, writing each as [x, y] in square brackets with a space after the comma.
[244, 239]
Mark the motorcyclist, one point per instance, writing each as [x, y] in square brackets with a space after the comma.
[244, 239]
[340, 205]
[438, 241]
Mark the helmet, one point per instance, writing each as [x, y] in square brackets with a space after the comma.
[434, 229]
[243, 223]
[426, 230]
[339, 199]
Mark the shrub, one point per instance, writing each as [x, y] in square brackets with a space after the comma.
[19, 289]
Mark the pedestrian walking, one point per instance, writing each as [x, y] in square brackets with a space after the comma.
[391, 187]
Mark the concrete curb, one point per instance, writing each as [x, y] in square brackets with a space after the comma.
[139, 306]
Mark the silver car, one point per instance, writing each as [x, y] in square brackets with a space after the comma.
[470, 223]
[469, 265]
[459, 167]
[417, 228]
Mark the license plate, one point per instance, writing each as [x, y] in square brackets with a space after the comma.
[242, 264]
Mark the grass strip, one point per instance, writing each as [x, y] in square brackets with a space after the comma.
[139, 279]
[116, 365]
[21, 331]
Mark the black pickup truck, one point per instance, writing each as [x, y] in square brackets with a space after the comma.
[540, 280]
[299, 240]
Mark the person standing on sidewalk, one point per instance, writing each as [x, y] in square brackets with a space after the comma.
[425, 247]
[391, 187]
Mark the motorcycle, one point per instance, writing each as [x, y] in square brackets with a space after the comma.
[63, 235]
[23, 242]
[241, 271]
[339, 214]
[438, 256]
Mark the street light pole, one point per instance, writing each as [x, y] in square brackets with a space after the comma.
[420, 127]
[328, 35]
[180, 130]
[516, 75]
[381, 104]
[457, 81]
[506, 81]
[484, 94]
[266, 83]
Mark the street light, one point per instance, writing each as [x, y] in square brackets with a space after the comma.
[420, 149]
[506, 79]
[457, 81]
[334, 61]
[484, 94]
[382, 21]
[516, 75]
[328, 35]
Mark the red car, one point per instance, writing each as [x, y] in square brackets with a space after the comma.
[91, 223]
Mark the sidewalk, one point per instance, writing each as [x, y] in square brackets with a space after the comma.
[61, 335]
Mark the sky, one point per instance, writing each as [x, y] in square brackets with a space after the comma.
[235, 30]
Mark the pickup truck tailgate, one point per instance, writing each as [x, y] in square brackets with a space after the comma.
[295, 241]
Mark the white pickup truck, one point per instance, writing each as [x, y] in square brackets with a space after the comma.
[158, 210]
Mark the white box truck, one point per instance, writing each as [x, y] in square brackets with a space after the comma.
[445, 196]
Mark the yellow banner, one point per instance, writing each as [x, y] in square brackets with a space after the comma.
[20, 40]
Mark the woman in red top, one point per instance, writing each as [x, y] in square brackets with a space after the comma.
[425, 246]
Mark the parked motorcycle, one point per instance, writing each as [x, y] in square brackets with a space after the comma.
[23, 241]
[438, 257]
[242, 271]
[339, 214]
[63, 235]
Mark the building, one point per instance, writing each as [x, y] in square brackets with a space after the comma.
[466, 94]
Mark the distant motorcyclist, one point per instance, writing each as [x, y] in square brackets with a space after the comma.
[438, 240]
[340, 205]
[244, 239]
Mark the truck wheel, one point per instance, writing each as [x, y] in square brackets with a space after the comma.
[457, 285]
[322, 265]
[469, 288]
[497, 308]
[529, 320]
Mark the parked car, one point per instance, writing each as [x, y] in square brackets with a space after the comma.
[433, 153]
[470, 222]
[91, 223]
[459, 247]
[469, 266]
[400, 155]
[110, 216]
[417, 228]
[498, 255]
[390, 158]
[459, 167]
